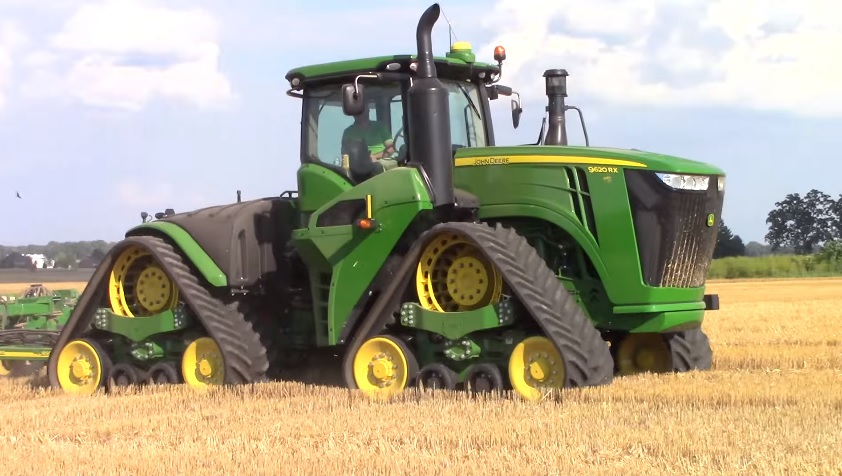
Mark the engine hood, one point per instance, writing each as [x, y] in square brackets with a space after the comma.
[587, 156]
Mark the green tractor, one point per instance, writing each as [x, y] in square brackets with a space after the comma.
[29, 326]
[442, 262]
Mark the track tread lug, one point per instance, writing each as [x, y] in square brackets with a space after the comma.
[690, 350]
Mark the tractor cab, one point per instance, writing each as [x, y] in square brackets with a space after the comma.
[355, 117]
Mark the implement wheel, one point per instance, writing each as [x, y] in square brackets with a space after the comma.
[384, 366]
[139, 286]
[453, 275]
[82, 367]
[534, 367]
[639, 353]
[202, 364]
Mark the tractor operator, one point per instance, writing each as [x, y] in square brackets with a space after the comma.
[376, 136]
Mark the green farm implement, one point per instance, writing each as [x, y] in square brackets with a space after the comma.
[30, 325]
[414, 252]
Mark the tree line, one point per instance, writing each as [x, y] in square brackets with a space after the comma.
[798, 224]
[68, 254]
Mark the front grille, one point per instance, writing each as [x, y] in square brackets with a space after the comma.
[673, 238]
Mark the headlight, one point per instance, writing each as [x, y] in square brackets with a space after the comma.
[685, 182]
[720, 184]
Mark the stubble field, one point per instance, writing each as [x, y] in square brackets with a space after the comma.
[771, 405]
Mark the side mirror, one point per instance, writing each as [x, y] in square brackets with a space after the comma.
[516, 111]
[504, 90]
[353, 103]
[497, 90]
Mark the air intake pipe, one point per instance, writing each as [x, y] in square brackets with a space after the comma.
[556, 84]
[429, 136]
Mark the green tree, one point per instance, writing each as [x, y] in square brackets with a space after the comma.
[831, 252]
[754, 248]
[727, 243]
[65, 260]
[801, 223]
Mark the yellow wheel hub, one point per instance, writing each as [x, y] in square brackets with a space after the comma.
[79, 368]
[153, 289]
[138, 286]
[638, 353]
[381, 368]
[453, 275]
[467, 281]
[202, 364]
[5, 368]
[534, 366]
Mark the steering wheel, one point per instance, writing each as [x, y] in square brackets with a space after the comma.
[397, 134]
[401, 158]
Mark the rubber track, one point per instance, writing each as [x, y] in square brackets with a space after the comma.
[690, 350]
[587, 357]
[238, 342]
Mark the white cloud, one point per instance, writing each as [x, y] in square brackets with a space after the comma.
[11, 39]
[760, 54]
[121, 54]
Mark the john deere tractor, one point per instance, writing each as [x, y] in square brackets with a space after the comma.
[415, 252]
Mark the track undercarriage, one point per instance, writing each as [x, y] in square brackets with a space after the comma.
[149, 319]
[483, 312]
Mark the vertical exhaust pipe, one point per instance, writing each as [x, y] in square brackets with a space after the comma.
[429, 136]
[556, 83]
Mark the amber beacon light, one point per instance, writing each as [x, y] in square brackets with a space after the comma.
[499, 54]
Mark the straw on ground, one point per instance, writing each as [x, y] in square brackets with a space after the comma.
[772, 405]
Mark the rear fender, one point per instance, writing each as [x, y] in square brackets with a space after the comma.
[191, 249]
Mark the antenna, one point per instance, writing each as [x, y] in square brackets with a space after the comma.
[451, 33]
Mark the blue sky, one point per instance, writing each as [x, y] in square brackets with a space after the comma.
[108, 108]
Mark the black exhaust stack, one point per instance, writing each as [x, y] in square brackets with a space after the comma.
[429, 137]
[556, 82]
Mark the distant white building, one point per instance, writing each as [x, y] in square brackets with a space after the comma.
[41, 261]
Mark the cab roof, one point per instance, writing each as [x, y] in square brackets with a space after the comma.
[458, 66]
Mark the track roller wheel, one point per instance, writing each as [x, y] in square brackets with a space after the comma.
[384, 366]
[139, 286]
[639, 353]
[163, 373]
[483, 378]
[123, 375]
[437, 377]
[454, 275]
[5, 368]
[82, 367]
[202, 365]
[534, 366]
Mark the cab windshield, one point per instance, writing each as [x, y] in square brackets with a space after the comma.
[325, 125]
